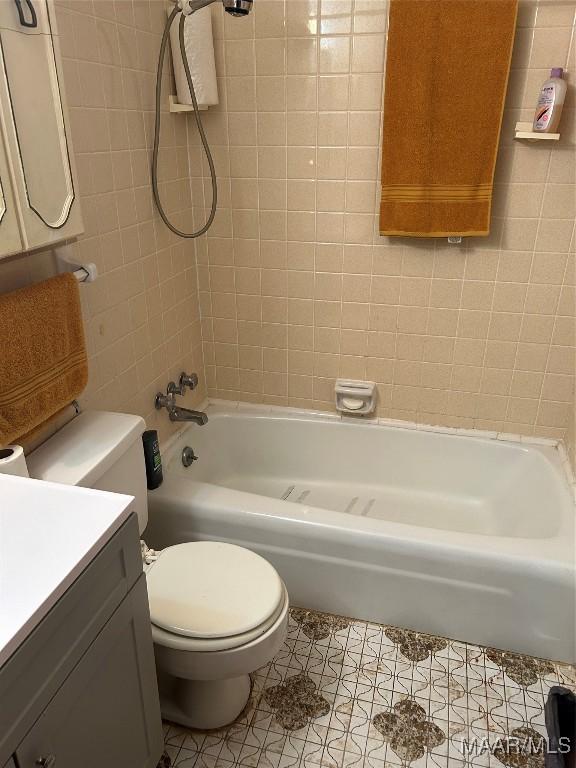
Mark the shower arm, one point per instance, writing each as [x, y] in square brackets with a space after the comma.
[191, 6]
[234, 7]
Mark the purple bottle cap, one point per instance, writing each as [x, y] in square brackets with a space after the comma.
[556, 72]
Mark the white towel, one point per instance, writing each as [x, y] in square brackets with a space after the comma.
[199, 45]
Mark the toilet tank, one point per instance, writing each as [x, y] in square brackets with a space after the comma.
[97, 450]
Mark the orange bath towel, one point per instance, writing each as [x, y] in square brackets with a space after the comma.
[43, 364]
[446, 75]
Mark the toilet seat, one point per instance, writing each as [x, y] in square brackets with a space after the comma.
[208, 596]
[237, 643]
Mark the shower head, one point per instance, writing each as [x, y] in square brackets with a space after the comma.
[237, 7]
[233, 7]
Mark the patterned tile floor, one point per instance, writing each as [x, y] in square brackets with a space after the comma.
[345, 693]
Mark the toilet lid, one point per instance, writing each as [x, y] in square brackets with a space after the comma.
[209, 589]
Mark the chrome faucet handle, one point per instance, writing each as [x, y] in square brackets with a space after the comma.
[188, 380]
[174, 389]
[165, 401]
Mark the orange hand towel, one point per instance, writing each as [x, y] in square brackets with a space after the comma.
[43, 364]
[446, 75]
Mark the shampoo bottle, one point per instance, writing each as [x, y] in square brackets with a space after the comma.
[152, 458]
[550, 102]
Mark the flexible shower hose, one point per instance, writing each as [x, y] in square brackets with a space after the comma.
[205, 144]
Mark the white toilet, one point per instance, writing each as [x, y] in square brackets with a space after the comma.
[218, 611]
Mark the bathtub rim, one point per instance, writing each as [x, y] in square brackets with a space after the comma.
[552, 450]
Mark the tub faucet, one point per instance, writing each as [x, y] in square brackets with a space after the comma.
[185, 414]
[175, 412]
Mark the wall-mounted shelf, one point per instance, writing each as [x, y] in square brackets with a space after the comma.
[524, 131]
[175, 106]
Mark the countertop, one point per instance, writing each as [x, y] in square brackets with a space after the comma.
[48, 535]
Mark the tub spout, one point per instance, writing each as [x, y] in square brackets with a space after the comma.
[185, 414]
[168, 401]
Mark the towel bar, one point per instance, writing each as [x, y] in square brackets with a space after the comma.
[84, 273]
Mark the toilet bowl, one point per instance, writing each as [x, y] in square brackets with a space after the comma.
[218, 611]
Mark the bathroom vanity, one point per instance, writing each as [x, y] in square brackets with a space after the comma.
[77, 677]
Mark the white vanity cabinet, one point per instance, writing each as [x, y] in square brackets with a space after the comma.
[77, 676]
[105, 713]
[37, 167]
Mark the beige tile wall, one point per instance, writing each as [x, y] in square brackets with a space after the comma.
[571, 438]
[296, 285]
[141, 316]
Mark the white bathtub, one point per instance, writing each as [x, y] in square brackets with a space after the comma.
[468, 537]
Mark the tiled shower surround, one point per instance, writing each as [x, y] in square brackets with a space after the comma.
[345, 693]
[141, 316]
[296, 285]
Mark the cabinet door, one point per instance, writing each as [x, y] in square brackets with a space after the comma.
[37, 134]
[10, 241]
[107, 711]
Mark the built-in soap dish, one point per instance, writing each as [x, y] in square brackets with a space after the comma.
[355, 397]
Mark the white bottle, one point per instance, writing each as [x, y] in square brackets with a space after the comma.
[550, 102]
